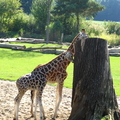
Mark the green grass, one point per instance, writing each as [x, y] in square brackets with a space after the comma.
[14, 64]
[115, 70]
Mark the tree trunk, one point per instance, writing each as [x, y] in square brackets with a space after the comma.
[93, 94]
[48, 20]
[78, 22]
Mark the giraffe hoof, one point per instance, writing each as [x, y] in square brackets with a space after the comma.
[32, 116]
[14, 119]
[42, 118]
[53, 119]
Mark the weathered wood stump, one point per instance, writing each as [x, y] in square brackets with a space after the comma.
[93, 94]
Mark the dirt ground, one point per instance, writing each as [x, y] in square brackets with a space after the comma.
[8, 92]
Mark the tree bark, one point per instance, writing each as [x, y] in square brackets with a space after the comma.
[48, 21]
[78, 22]
[93, 94]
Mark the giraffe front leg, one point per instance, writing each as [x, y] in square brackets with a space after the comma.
[58, 98]
[36, 106]
[16, 111]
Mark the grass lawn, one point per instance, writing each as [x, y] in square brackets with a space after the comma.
[115, 70]
[14, 64]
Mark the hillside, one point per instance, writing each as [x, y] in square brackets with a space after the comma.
[112, 11]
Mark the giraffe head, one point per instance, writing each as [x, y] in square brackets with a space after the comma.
[69, 56]
[80, 36]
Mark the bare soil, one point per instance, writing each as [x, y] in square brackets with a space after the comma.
[8, 92]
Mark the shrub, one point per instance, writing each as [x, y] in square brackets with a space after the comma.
[113, 39]
[112, 27]
[55, 31]
[23, 22]
[93, 28]
[69, 38]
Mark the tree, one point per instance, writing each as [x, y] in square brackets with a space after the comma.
[78, 7]
[67, 20]
[93, 9]
[93, 96]
[8, 8]
[39, 11]
[49, 3]
[26, 4]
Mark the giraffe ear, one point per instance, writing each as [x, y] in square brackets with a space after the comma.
[82, 36]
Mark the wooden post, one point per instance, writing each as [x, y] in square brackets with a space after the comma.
[93, 96]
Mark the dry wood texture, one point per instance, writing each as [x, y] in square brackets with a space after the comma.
[93, 94]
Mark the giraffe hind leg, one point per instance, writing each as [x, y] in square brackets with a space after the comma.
[17, 102]
[58, 98]
[39, 100]
[33, 92]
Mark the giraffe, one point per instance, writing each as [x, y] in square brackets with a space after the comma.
[52, 72]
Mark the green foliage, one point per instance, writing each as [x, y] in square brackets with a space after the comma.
[39, 11]
[77, 8]
[57, 26]
[26, 4]
[67, 7]
[106, 118]
[8, 8]
[19, 22]
[92, 28]
[55, 30]
[100, 29]
[23, 22]
[113, 27]
[93, 9]
[67, 17]
[113, 39]
[69, 38]
[67, 21]
[12, 34]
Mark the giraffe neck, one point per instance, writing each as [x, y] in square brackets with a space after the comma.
[77, 37]
[59, 63]
[71, 47]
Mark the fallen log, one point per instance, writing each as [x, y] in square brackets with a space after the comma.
[11, 46]
[41, 48]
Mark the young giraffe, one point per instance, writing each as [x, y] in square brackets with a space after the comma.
[52, 72]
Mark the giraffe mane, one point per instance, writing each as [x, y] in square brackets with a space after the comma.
[48, 62]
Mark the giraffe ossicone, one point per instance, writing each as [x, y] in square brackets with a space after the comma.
[52, 72]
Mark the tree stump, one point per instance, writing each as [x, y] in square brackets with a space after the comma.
[93, 96]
